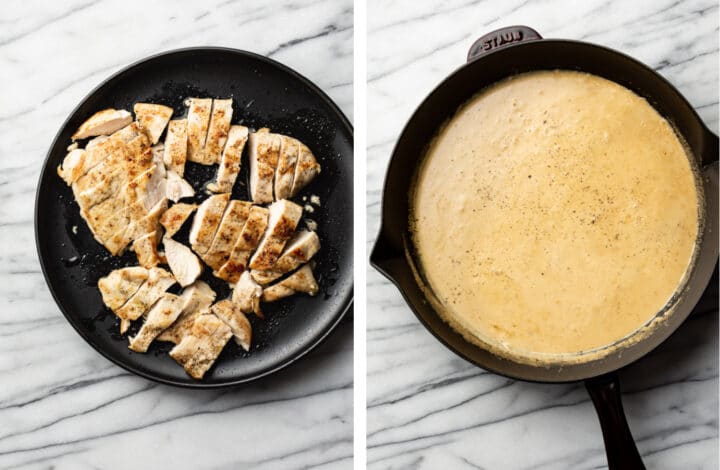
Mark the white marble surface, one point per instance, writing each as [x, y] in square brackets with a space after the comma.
[429, 409]
[62, 405]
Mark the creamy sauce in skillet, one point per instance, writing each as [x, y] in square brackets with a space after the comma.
[555, 213]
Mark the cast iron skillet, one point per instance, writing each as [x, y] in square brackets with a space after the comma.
[500, 54]
[265, 93]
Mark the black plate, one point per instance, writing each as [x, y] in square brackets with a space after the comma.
[265, 93]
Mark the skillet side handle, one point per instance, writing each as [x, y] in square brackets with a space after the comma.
[622, 454]
[500, 39]
[710, 149]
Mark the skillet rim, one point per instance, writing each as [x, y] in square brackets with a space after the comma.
[347, 301]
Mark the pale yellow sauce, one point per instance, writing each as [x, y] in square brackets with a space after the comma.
[555, 213]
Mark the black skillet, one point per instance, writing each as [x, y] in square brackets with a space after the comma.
[265, 93]
[495, 56]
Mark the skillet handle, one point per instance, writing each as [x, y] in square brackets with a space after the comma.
[622, 454]
[500, 39]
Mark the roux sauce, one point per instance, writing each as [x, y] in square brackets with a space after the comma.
[555, 213]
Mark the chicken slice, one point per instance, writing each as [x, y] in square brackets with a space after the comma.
[177, 188]
[198, 121]
[300, 281]
[206, 221]
[245, 246]
[285, 172]
[145, 249]
[173, 218]
[103, 122]
[217, 135]
[175, 150]
[264, 154]
[160, 316]
[196, 300]
[306, 169]
[153, 118]
[246, 295]
[185, 266]
[227, 233]
[230, 162]
[118, 286]
[157, 155]
[299, 250]
[226, 311]
[72, 166]
[157, 283]
[198, 351]
[284, 217]
[133, 228]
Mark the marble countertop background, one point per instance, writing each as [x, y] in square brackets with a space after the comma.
[429, 409]
[64, 406]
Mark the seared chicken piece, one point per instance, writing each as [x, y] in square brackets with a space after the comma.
[230, 161]
[245, 246]
[196, 301]
[198, 351]
[300, 281]
[246, 295]
[103, 122]
[306, 169]
[285, 172]
[173, 218]
[218, 130]
[133, 228]
[157, 283]
[227, 233]
[298, 251]
[145, 249]
[185, 266]
[160, 316]
[231, 315]
[264, 154]
[153, 118]
[118, 286]
[206, 221]
[100, 148]
[198, 121]
[72, 166]
[177, 188]
[284, 217]
[175, 150]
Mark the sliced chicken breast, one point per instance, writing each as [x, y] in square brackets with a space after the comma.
[230, 161]
[145, 249]
[245, 245]
[227, 233]
[100, 148]
[283, 219]
[240, 326]
[174, 218]
[285, 172]
[103, 122]
[206, 221]
[246, 295]
[196, 300]
[198, 351]
[160, 316]
[153, 118]
[72, 166]
[185, 266]
[299, 250]
[134, 228]
[198, 121]
[217, 135]
[264, 154]
[157, 283]
[302, 280]
[306, 169]
[177, 188]
[175, 150]
[121, 284]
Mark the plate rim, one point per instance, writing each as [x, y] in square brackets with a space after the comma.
[346, 303]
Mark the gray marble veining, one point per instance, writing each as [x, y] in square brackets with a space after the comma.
[429, 409]
[61, 404]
